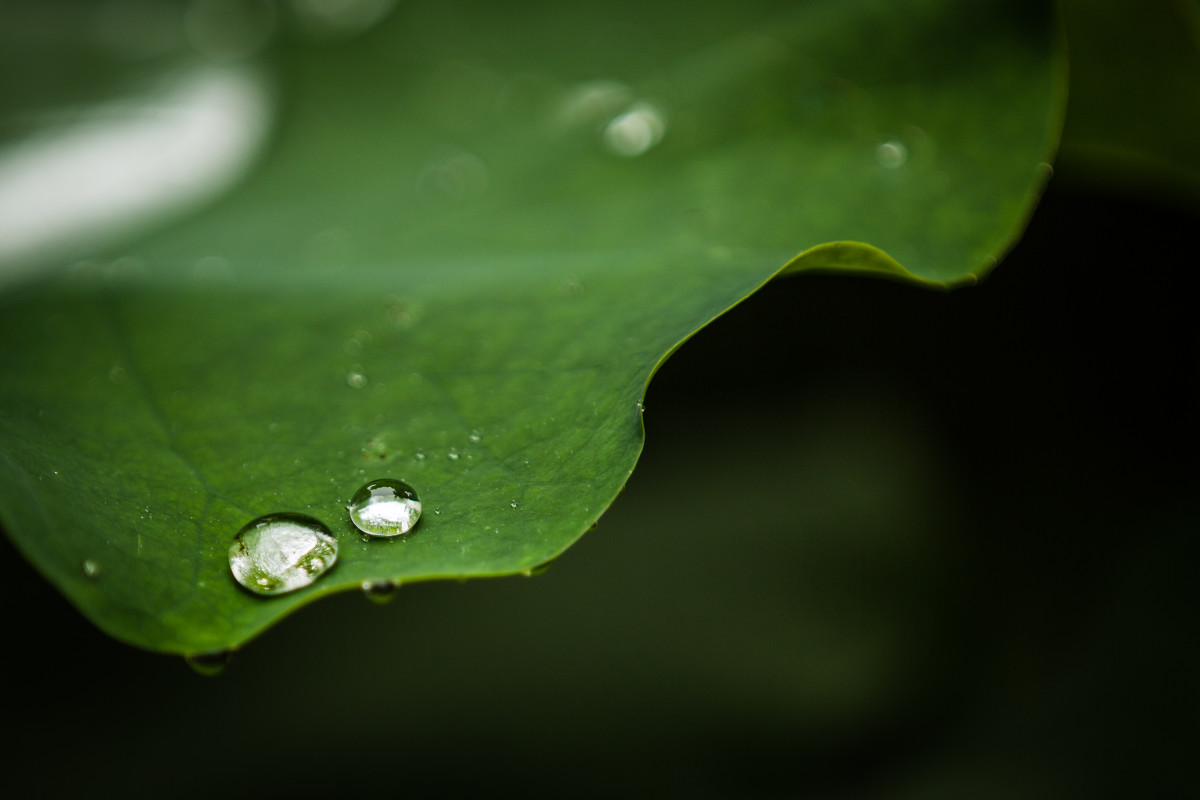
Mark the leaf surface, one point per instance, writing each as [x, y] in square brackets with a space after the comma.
[475, 236]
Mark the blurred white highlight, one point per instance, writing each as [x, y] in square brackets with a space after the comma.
[128, 164]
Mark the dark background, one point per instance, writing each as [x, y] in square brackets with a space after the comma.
[882, 542]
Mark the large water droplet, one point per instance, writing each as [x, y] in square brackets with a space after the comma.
[281, 553]
[209, 664]
[385, 508]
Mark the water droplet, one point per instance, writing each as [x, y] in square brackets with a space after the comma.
[280, 553]
[210, 664]
[356, 380]
[385, 508]
[380, 591]
[437, 511]
[634, 132]
[513, 503]
[117, 374]
[891, 154]
[453, 454]
[90, 568]
[474, 437]
[419, 455]
[533, 572]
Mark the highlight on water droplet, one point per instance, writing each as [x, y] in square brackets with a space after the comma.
[637, 130]
[453, 454]
[356, 380]
[475, 437]
[89, 568]
[385, 508]
[380, 591]
[281, 552]
[891, 154]
[209, 664]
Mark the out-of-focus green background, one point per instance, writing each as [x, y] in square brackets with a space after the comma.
[871, 567]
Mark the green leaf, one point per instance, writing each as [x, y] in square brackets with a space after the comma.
[475, 237]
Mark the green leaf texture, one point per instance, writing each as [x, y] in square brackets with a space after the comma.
[476, 233]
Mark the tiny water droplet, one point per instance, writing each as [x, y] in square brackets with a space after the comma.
[385, 508]
[90, 568]
[437, 511]
[380, 591]
[513, 503]
[453, 454]
[209, 664]
[281, 552]
[474, 437]
[420, 455]
[356, 380]
[117, 374]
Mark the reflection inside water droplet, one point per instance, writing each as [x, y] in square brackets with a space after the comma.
[385, 508]
[380, 591]
[281, 553]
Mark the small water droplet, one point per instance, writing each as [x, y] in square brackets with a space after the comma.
[533, 572]
[419, 455]
[513, 503]
[356, 380]
[281, 552]
[209, 664]
[90, 568]
[117, 374]
[637, 130]
[474, 437]
[380, 591]
[385, 508]
[437, 511]
[453, 454]
[891, 154]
